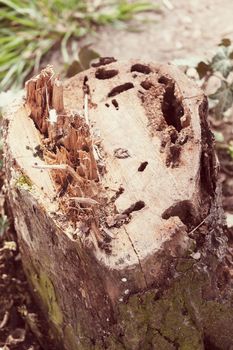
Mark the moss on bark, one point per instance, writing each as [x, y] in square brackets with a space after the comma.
[44, 291]
[181, 318]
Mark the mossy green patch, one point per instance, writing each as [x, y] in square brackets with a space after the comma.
[44, 289]
[47, 293]
[113, 343]
[179, 319]
[218, 323]
[184, 265]
[71, 340]
[78, 338]
[158, 342]
[24, 182]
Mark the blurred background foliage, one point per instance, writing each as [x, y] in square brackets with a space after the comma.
[30, 29]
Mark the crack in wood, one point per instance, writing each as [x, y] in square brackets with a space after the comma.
[136, 253]
[168, 339]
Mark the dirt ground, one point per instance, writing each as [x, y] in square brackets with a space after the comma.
[180, 29]
[186, 28]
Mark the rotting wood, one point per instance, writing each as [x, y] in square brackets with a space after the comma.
[68, 148]
[118, 216]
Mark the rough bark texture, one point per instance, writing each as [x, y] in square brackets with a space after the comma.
[112, 180]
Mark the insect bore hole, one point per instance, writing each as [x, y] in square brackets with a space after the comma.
[142, 166]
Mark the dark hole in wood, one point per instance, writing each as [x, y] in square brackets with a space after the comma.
[38, 152]
[86, 88]
[142, 166]
[183, 210]
[146, 84]
[174, 136]
[34, 209]
[115, 104]
[117, 194]
[138, 206]
[85, 148]
[134, 207]
[171, 107]
[164, 80]
[184, 311]
[141, 68]
[207, 163]
[207, 158]
[103, 73]
[107, 105]
[106, 237]
[103, 61]
[105, 246]
[120, 88]
[174, 156]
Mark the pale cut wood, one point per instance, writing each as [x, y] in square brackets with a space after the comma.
[126, 127]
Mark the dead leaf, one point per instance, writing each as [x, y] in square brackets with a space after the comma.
[222, 62]
[203, 68]
[224, 95]
[121, 153]
[225, 42]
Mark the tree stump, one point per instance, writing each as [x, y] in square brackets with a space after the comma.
[112, 180]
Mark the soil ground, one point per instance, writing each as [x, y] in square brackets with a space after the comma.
[190, 28]
[180, 29]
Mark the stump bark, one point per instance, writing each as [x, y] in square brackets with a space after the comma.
[112, 180]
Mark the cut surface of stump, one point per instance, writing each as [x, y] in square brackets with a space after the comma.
[118, 170]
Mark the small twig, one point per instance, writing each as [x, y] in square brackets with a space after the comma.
[195, 96]
[65, 167]
[47, 97]
[86, 116]
[197, 227]
[5, 319]
[97, 153]
[84, 200]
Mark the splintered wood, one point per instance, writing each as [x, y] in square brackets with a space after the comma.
[67, 147]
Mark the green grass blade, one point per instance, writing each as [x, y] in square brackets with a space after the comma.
[30, 28]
